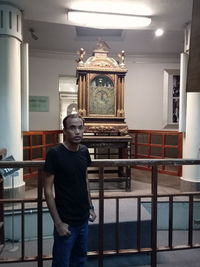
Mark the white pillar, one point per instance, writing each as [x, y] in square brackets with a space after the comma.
[183, 95]
[190, 181]
[25, 87]
[10, 86]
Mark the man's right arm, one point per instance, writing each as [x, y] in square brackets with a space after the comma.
[62, 228]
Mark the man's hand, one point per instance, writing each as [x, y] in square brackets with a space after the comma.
[92, 216]
[63, 229]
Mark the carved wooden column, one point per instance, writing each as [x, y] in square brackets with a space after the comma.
[118, 96]
[80, 93]
[122, 96]
[84, 95]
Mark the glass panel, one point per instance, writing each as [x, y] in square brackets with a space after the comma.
[49, 138]
[143, 150]
[156, 151]
[26, 154]
[37, 153]
[171, 152]
[36, 140]
[156, 139]
[176, 85]
[171, 140]
[26, 140]
[101, 97]
[142, 138]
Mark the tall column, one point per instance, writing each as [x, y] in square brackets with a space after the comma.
[183, 94]
[25, 87]
[190, 181]
[10, 87]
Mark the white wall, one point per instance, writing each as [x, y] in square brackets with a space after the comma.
[144, 92]
[143, 88]
[44, 81]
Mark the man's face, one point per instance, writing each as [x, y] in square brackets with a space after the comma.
[73, 130]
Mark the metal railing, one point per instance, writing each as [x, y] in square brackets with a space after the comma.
[101, 252]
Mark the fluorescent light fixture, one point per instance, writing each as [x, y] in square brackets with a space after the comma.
[112, 6]
[159, 32]
[107, 20]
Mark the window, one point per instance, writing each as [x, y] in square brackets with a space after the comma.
[171, 92]
[68, 96]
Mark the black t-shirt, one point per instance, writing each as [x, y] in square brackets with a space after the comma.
[71, 195]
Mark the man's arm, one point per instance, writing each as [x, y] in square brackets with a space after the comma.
[62, 228]
[92, 212]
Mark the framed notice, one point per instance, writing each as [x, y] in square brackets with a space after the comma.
[8, 171]
[38, 103]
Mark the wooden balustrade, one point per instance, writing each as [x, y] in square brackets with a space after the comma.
[152, 144]
[36, 145]
[101, 252]
[147, 144]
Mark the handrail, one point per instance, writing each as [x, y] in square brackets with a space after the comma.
[153, 195]
[107, 162]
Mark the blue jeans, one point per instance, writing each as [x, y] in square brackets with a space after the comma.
[71, 251]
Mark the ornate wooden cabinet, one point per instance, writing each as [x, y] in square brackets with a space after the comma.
[101, 91]
[101, 103]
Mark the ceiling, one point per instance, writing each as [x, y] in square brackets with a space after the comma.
[49, 20]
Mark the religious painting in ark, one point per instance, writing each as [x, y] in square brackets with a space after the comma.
[102, 96]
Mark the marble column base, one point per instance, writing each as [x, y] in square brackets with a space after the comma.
[17, 192]
[189, 186]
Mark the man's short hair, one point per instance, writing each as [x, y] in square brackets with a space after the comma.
[71, 116]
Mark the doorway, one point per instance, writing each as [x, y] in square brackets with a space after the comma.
[67, 96]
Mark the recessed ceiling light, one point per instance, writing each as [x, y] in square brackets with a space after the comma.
[159, 32]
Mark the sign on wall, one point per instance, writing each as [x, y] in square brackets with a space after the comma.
[38, 103]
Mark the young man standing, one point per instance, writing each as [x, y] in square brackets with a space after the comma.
[66, 166]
